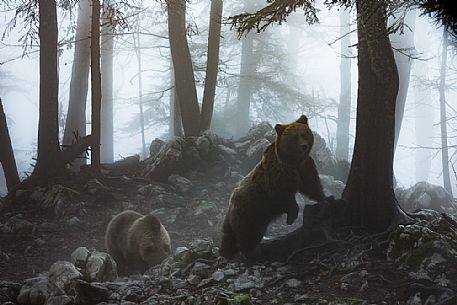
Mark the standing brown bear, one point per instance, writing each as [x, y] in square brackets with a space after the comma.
[136, 242]
[268, 191]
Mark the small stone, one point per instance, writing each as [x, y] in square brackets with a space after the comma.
[229, 272]
[183, 185]
[74, 221]
[293, 283]
[39, 242]
[218, 276]
[204, 282]
[193, 279]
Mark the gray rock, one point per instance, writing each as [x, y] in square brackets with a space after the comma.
[193, 279]
[63, 275]
[425, 247]
[166, 161]
[133, 293]
[79, 257]
[226, 150]
[424, 195]
[218, 276]
[206, 209]
[57, 199]
[203, 145]
[40, 241]
[35, 291]
[200, 269]
[18, 226]
[9, 291]
[155, 147]
[293, 283]
[94, 186]
[149, 189]
[255, 151]
[59, 300]
[197, 249]
[183, 185]
[101, 267]
[90, 293]
[331, 186]
[243, 282]
[74, 221]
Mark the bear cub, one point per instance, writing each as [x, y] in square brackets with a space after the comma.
[268, 191]
[136, 242]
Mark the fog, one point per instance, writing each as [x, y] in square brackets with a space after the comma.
[313, 59]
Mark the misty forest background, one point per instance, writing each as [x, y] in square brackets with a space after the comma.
[229, 80]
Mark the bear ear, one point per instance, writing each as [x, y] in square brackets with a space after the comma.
[279, 128]
[302, 119]
[154, 223]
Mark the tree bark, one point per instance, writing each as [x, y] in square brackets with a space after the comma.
[424, 117]
[107, 44]
[137, 46]
[212, 64]
[403, 52]
[369, 189]
[344, 107]
[76, 116]
[7, 159]
[443, 121]
[96, 86]
[182, 63]
[175, 113]
[247, 70]
[48, 126]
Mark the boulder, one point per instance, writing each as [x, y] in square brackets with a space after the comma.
[35, 291]
[426, 247]
[424, 195]
[94, 265]
[90, 293]
[63, 274]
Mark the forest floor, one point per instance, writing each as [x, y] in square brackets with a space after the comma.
[328, 275]
[45, 225]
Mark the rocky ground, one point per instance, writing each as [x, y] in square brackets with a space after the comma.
[186, 184]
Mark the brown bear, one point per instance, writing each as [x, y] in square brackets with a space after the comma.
[136, 242]
[268, 191]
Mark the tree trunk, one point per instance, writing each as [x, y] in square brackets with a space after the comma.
[107, 44]
[96, 85]
[212, 64]
[7, 159]
[369, 189]
[48, 126]
[443, 120]
[344, 107]
[137, 46]
[424, 117]
[182, 63]
[175, 113]
[404, 50]
[247, 70]
[76, 116]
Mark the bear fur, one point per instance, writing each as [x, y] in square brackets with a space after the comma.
[268, 191]
[136, 242]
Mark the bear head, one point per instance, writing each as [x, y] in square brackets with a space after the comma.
[294, 141]
[155, 244]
